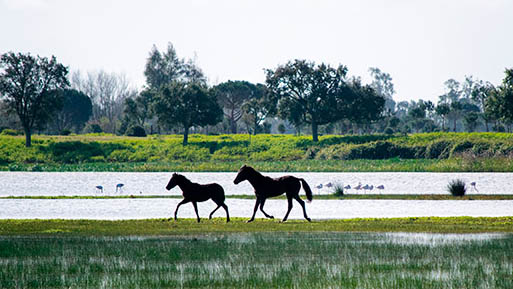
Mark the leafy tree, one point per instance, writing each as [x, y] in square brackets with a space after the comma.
[232, 95]
[318, 91]
[443, 109]
[257, 108]
[382, 84]
[163, 67]
[26, 83]
[504, 97]
[76, 110]
[480, 95]
[471, 120]
[187, 104]
[366, 105]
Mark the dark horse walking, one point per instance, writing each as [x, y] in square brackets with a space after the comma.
[266, 187]
[194, 193]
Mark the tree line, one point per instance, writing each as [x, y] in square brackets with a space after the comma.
[38, 94]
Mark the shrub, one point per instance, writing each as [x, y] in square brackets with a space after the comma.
[11, 132]
[338, 190]
[389, 130]
[461, 147]
[119, 155]
[136, 130]
[65, 132]
[457, 188]
[438, 149]
[93, 128]
[73, 151]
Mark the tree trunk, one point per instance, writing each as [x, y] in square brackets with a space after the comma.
[185, 136]
[315, 137]
[454, 125]
[486, 125]
[28, 137]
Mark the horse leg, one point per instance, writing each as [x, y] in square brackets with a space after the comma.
[262, 209]
[254, 210]
[302, 203]
[184, 201]
[196, 210]
[218, 206]
[289, 199]
[225, 207]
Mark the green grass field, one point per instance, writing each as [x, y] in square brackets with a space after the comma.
[426, 152]
[259, 260]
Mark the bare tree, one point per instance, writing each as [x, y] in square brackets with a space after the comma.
[107, 91]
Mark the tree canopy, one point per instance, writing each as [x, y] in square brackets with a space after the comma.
[187, 104]
[26, 83]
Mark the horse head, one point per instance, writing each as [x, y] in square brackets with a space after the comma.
[242, 174]
[173, 182]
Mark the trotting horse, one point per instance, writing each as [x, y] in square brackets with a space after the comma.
[266, 187]
[193, 192]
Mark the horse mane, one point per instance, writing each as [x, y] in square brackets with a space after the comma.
[183, 179]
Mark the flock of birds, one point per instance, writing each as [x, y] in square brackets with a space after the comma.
[348, 187]
[119, 187]
[370, 187]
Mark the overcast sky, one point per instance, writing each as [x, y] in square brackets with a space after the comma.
[420, 43]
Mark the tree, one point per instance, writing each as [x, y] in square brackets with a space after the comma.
[471, 120]
[162, 67]
[382, 84]
[232, 95]
[365, 104]
[76, 110]
[480, 95]
[26, 82]
[257, 108]
[108, 92]
[502, 101]
[187, 104]
[318, 91]
[443, 109]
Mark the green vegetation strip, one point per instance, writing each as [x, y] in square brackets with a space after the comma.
[316, 197]
[190, 226]
[426, 152]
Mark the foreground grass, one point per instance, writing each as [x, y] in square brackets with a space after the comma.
[162, 227]
[259, 260]
[430, 197]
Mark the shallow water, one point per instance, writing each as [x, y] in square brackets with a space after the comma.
[84, 183]
[115, 209]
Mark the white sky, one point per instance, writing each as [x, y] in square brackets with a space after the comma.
[420, 43]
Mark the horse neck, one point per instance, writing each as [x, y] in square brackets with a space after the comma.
[255, 178]
[184, 184]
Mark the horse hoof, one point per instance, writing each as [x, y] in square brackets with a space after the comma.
[271, 217]
[309, 220]
[227, 220]
[249, 221]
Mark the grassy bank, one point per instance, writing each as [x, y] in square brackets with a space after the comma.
[431, 152]
[316, 197]
[259, 260]
[161, 227]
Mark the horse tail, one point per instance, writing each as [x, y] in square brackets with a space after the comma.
[307, 189]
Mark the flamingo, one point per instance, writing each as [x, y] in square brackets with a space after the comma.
[119, 187]
[319, 187]
[473, 185]
[99, 188]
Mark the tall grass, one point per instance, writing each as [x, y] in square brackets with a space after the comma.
[259, 260]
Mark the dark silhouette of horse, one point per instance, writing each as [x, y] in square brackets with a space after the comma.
[266, 187]
[193, 192]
